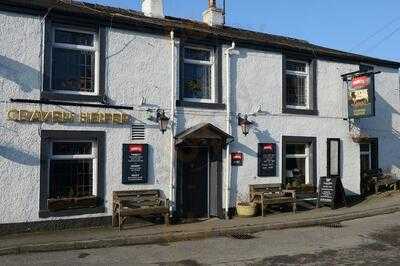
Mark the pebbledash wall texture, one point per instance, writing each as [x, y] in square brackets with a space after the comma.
[138, 73]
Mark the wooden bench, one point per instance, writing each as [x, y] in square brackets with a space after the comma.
[138, 203]
[272, 194]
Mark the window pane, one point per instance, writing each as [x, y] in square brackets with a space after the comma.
[72, 148]
[197, 81]
[295, 148]
[71, 178]
[365, 147]
[296, 90]
[296, 66]
[295, 170]
[70, 37]
[73, 70]
[193, 54]
[334, 157]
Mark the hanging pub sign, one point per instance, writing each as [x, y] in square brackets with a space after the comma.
[331, 192]
[237, 159]
[134, 163]
[266, 159]
[361, 96]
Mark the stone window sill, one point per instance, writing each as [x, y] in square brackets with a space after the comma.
[214, 106]
[71, 212]
[299, 111]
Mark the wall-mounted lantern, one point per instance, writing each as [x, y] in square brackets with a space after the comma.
[245, 124]
[162, 120]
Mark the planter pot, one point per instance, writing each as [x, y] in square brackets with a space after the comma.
[246, 209]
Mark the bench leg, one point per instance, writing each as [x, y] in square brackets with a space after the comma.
[262, 208]
[115, 222]
[166, 219]
[120, 221]
[294, 207]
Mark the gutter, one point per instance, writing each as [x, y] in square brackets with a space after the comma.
[228, 53]
[173, 117]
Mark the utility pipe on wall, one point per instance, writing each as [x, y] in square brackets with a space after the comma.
[230, 51]
[173, 102]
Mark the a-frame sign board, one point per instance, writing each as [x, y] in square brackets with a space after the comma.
[331, 192]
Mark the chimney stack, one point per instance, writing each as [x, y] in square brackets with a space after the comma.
[153, 8]
[213, 16]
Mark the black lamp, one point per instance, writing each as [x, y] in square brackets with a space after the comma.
[162, 120]
[245, 124]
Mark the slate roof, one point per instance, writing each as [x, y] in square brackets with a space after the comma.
[132, 19]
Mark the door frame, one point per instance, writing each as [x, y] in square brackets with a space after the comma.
[373, 159]
[179, 177]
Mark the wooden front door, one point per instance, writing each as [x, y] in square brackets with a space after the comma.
[195, 165]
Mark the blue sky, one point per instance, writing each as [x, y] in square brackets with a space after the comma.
[362, 26]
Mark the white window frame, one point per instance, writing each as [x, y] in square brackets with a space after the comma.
[307, 85]
[305, 156]
[95, 48]
[93, 156]
[204, 63]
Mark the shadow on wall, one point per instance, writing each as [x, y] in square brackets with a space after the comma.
[18, 156]
[19, 73]
[382, 125]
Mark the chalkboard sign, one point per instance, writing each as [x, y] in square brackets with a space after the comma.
[266, 159]
[134, 163]
[331, 192]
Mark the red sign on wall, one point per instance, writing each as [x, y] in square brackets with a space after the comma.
[136, 148]
[268, 147]
[237, 158]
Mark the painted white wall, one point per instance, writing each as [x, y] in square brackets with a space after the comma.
[139, 66]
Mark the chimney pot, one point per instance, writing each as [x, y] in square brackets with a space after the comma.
[153, 8]
[213, 16]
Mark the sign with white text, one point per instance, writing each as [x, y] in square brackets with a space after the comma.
[267, 159]
[134, 163]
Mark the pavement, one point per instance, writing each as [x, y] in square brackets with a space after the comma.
[367, 241]
[107, 237]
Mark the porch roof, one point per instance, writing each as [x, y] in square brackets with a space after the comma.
[203, 131]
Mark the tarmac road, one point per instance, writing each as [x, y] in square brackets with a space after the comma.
[369, 241]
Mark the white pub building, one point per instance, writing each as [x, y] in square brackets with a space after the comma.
[211, 109]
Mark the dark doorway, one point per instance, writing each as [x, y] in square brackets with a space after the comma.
[199, 171]
[194, 165]
[368, 164]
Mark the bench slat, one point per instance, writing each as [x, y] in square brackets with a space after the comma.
[144, 211]
[128, 193]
